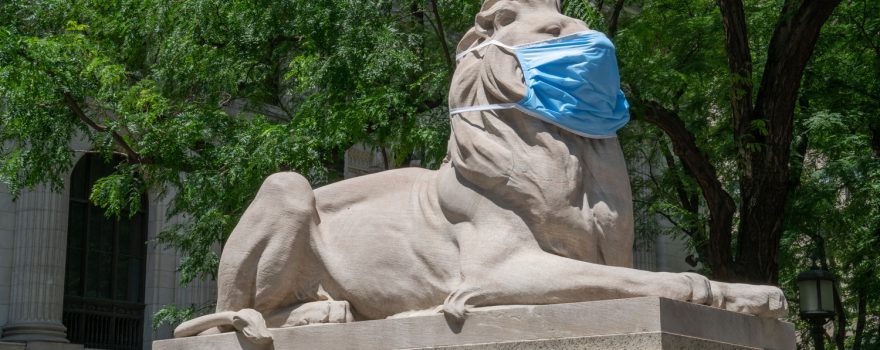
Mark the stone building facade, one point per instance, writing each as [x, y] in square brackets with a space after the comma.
[55, 283]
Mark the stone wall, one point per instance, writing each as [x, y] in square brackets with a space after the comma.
[7, 230]
[162, 287]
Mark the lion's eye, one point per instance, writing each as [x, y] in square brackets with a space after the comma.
[504, 17]
[554, 30]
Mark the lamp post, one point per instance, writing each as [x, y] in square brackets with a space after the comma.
[816, 287]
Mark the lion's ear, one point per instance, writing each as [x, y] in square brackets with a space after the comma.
[484, 24]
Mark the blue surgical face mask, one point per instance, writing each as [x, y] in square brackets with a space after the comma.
[571, 81]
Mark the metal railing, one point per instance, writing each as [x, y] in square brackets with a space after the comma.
[104, 324]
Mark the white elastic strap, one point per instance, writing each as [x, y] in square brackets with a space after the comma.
[484, 44]
[460, 110]
[513, 48]
[520, 108]
[576, 132]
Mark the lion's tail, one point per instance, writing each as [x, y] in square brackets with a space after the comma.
[249, 322]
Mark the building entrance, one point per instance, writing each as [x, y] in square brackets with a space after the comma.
[104, 279]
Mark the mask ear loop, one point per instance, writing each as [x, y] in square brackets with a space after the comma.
[480, 108]
[482, 45]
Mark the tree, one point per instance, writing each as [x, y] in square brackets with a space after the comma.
[741, 242]
[206, 98]
[692, 166]
[835, 212]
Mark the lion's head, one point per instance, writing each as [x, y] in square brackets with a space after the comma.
[492, 74]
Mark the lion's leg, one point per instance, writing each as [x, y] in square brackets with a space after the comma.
[267, 263]
[323, 311]
[530, 276]
[764, 301]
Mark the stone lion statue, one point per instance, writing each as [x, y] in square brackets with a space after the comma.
[521, 212]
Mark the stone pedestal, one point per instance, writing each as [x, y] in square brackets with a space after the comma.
[640, 323]
[37, 297]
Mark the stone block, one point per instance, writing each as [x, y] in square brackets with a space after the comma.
[52, 346]
[167, 262]
[5, 273]
[4, 313]
[6, 204]
[647, 323]
[165, 295]
[11, 346]
[5, 288]
[7, 222]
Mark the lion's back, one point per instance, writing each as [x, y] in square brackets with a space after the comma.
[384, 242]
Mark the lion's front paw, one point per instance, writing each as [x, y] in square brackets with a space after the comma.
[762, 301]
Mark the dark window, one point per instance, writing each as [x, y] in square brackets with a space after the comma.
[104, 279]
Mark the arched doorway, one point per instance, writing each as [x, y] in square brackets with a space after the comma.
[106, 260]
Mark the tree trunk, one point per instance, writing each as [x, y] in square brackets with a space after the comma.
[762, 136]
[875, 140]
[861, 318]
[615, 18]
[721, 205]
[764, 132]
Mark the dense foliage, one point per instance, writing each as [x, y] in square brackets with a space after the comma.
[675, 64]
[205, 98]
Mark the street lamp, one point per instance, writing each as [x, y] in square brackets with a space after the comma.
[816, 287]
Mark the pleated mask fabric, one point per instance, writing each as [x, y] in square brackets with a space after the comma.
[571, 81]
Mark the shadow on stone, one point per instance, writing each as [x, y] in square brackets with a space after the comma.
[246, 344]
[454, 324]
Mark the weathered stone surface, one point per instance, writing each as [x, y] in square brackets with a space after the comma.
[633, 341]
[637, 323]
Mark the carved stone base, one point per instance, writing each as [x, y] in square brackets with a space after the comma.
[39, 346]
[43, 331]
[11, 346]
[638, 323]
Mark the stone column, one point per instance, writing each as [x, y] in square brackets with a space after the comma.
[38, 267]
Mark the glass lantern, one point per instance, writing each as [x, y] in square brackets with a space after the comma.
[816, 287]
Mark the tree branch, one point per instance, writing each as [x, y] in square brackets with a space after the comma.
[765, 183]
[739, 62]
[131, 155]
[861, 318]
[677, 182]
[615, 17]
[875, 140]
[791, 47]
[657, 185]
[70, 101]
[721, 205]
[77, 110]
[441, 34]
